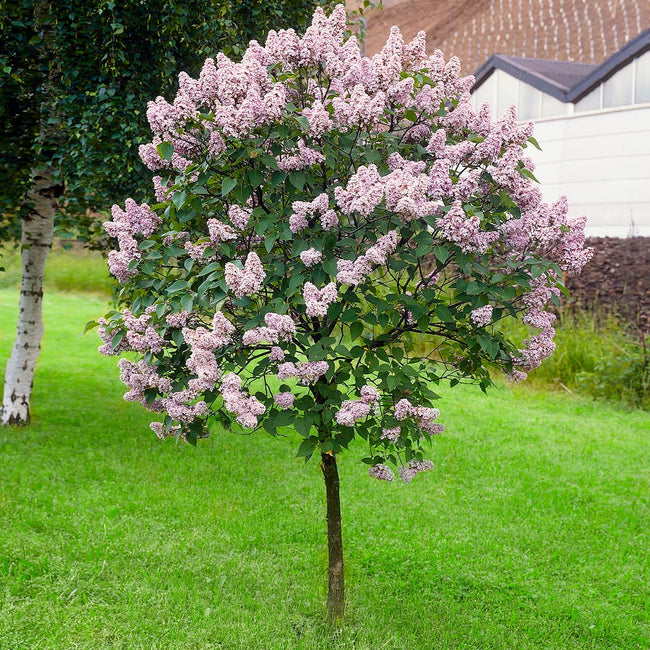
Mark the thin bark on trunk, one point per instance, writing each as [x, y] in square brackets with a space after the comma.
[36, 241]
[336, 587]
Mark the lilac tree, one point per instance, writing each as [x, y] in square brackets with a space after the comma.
[315, 211]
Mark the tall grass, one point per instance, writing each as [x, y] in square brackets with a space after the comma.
[597, 355]
[76, 269]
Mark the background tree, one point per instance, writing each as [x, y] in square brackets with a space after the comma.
[314, 211]
[71, 71]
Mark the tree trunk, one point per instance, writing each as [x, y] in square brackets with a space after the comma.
[36, 241]
[336, 587]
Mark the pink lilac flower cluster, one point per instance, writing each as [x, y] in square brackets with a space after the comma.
[161, 190]
[202, 361]
[220, 231]
[246, 281]
[303, 211]
[278, 327]
[134, 220]
[308, 372]
[303, 159]
[138, 377]
[239, 217]
[354, 272]
[276, 355]
[465, 231]
[318, 300]
[406, 189]
[196, 251]
[423, 416]
[159, 429]
[284, 400]
[391, 433]
[181, 406]
[245, 407]
[549, 230]
[177, 320]
[407, 473]
[140, 335]
[536, 349]
[318, 118]
[353, 410]
[310, 257]
[357, 107]
[106, 334]
[481, 316]
[381, 472]
[363, 193]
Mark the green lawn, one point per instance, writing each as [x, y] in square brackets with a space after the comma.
[531, 532]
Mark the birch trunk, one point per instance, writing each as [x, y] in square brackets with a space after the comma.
[36, 241]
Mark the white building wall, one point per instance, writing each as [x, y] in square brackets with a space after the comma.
[601, 162]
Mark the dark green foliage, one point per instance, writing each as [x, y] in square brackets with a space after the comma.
[87, 68]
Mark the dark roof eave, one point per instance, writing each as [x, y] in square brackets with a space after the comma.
[631, 49]
[498, 61]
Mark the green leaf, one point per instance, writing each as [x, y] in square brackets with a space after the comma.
[116, 340]
[306, 449]
[91, 324]
[277, 178]
[297, 179]
[441, 253]
[349, 315]
[534, 142]
[356, 329]
[227, 185]
[178, 199]
[269, 161]
[177, 286]
[165, 150]
[303, 121]
[444, 313]
[256, 178]
[187, 302]
[303, 425]
[213, 266]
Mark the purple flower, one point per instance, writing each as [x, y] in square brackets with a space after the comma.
[381, 472]
[481, 316]
[284, 400]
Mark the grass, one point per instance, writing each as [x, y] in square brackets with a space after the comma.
[71, 270]
[597, 355]
[531, 532]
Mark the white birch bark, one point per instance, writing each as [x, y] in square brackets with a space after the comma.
[36, 242]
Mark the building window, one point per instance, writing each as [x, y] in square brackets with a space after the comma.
[529, 104]
[507, 92]
[590, 102]
[642, 85]
[618, 89]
